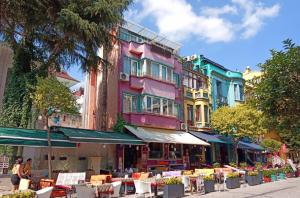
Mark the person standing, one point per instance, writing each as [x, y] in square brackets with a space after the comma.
[27, 168]
[17, 173]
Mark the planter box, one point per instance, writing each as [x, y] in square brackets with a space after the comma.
[232, 183]
[173, 191]
[253, 180]
[281, 176]
[209, 186]
[267, 179]
[273, 178]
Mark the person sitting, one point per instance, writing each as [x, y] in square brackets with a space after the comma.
[27, 168]
[17, 173]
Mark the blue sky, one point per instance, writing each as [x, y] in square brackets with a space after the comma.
[234, 33]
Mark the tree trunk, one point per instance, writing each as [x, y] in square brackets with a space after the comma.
[104, 92]
[236, 153]
[49, 148]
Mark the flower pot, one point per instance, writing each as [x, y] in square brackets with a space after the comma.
[273, 178]
[253, 180]
[281, 176]
[267, 179]
[260, 176]
[209, 186]
[232, 183]
[173, 191]
[289, 175]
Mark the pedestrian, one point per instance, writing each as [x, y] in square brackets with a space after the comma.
[27, 168]
[17, 173]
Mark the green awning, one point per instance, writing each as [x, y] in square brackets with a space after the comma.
[32, 137]
[85, 135]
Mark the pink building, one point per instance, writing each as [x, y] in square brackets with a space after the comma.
[144, 87]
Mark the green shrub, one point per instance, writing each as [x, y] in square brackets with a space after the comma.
[173, 180]
[267, 173]
[252, 173]
[20, 194]
[216, 165]
[288, 169]
[233, 164]
[243, 165]
[208, 178]
[233, 175]
[258, 166]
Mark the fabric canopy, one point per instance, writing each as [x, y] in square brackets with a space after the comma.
[84, 135]
[31, 137]
[209, 137]
[249, 146]
[165, 136]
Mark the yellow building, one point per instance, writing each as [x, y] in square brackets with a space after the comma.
[251, 78]
[197, 106]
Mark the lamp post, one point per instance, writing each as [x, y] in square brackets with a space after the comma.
[49, 113]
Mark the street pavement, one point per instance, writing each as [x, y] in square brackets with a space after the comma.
[289, 188]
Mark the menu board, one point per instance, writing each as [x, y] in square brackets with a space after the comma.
[69, 179]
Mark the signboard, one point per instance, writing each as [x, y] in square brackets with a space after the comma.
[69, 179]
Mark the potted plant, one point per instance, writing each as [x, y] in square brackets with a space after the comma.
[209, 184]
[289, 171]
[216, 165]
[232, 164]
[173, 188]
[253, 178]
[274, 173]
[243, 165]
[233, 180]
[258, 168]
[266, 175]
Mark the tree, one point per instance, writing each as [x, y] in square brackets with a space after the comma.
[278, 93]
[52, 96]
[271, 145]
[45, 35]
[238, 122]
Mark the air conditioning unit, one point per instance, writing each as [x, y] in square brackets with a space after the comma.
[124, 77]
[193, 57]
[183, 126]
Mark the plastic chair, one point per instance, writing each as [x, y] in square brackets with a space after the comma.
[186, 183]
[142, 187]
[44, 193]
[83, 191]
[116, 188]
[24, 184]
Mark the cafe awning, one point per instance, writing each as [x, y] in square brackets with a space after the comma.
[32, 138]
[79, 135]
[165, 136]
[209, 137]
[249, 146]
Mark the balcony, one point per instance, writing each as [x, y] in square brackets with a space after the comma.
[199, 126]
[201, 95]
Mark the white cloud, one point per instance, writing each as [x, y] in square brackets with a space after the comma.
[177, 20]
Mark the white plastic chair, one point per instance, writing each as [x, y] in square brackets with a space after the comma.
[186, 182]
[142, 187]
[83, 191]
[116, 188]
[24, 184]
[44, 193]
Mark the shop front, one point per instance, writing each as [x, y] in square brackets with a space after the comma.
[164, 150]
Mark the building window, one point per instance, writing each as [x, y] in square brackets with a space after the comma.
[131, 66]
[241, 92]
[156, 105]
[164, 73]
[134, 68]
[205, 95]
[155, 70]
[159, 105]
[193, 81]
[219, 89]
[176, 79]
[236, 92]
[189, 94]
[165, 106]
[126, 65]
[129, 103]
[175, 151]
[198, 113]
[206, 116]
[169, 76]
[190, 115]
[155, 150]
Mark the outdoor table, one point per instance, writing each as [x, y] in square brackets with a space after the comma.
[125, 182]
[102, 189]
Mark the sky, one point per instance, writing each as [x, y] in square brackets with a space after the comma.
[233, 33]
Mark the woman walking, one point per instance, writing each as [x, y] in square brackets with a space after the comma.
[17, 173]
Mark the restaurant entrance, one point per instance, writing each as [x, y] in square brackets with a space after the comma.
[132, 156]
